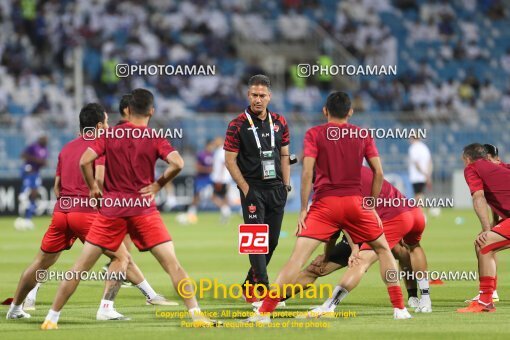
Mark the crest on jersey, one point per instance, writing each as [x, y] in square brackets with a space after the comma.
[276, 128]
[252, 208]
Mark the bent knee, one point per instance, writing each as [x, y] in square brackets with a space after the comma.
[123, 260]
[477, 248]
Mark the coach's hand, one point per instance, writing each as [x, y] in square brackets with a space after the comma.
[150, 190]
[301, 222]
[245, 191]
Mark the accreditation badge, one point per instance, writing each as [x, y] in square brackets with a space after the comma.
[268, 165]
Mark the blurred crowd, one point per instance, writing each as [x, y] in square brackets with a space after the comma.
[448, 54]
[38, 54]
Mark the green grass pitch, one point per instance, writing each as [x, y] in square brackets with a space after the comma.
[209, 250]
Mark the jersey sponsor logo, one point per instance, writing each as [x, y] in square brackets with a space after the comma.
[252, 208]
[265, 135]
[253, 239]
[252, 216]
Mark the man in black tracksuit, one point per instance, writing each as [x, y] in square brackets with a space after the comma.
[257, 157]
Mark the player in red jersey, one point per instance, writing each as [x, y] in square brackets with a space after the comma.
[336, 151]
[489, 183]
[493, 156]
[400, 222]
[129, 177]
[71, 222]
[124, 118]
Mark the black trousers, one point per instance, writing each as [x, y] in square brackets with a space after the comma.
[269, 205]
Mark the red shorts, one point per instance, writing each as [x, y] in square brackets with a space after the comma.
[414, 236]
[395, 229]
[503, 228]
[328, 215]
[146, 231]
[64, 229]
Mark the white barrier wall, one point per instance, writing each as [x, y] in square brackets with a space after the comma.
[461, 194]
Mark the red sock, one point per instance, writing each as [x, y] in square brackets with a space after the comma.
[486, 289]
[396, 297]
[269, 304]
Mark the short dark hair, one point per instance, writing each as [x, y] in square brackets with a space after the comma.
[491, 149]
[124, 102]
[90, 115]
[141, 102]
[338, 104]
[260, 79]
[475, 151]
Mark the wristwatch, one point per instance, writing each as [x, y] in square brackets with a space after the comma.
[288, 188]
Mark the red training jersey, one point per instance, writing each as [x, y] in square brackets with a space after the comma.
[72, 183]
[504, 165]
[494, 180]
[385, 211]
[130, 166]
[338, 160]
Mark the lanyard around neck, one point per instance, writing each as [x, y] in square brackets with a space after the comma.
[254, 130]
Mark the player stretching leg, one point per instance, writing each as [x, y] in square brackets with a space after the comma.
[124, 118]
[338, 258]
[489, 183]
[493, 156]
[401, 253]
[396, 226]
[152, 297]
[336, 151]
[400, 222]
[71, 222]
[130, 176]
